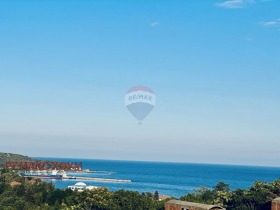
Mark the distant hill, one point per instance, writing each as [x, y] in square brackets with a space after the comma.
[10, 157]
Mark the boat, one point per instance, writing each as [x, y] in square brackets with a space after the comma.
[88, 171]
[71, 177]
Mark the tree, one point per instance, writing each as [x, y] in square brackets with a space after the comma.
[156, 196]
[221, 186]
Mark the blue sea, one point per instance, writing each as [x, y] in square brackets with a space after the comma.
[173, 179]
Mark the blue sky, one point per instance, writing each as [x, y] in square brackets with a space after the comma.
[213, 65]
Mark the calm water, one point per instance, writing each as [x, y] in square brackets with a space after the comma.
[174, 179]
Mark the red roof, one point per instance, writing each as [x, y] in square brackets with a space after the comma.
[14, 183]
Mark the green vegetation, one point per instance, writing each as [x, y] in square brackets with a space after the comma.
[257, 197]
[21, 193]
[18, 193]
[10, 157]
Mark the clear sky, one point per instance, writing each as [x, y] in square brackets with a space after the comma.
[214, 66]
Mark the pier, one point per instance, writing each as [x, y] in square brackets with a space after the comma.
[63, 176]
[99, 179]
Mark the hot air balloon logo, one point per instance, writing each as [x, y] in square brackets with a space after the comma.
[140, 101]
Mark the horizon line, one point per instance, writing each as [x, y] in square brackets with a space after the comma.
[157, 161]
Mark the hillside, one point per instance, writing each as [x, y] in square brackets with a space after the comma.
[4, 157]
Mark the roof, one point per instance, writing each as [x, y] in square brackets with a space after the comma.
[199, 206]
[163, 197]
[277, 199]
[14, 183]
[80, 184]
[32, 181]
[92, 187]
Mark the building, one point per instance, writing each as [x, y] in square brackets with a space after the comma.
[80, 186]
[184, 205]
[163, 197]
[275, 204]
[15, 183]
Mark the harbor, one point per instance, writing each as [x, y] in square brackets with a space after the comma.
[98, 179]
[62, 175]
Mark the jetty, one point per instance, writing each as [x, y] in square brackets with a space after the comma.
[99, 179]
[63, 176]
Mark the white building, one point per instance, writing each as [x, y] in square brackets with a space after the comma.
[80, 186]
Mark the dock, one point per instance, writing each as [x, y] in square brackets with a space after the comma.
[99, 179]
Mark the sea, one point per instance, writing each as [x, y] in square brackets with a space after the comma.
[171, 179]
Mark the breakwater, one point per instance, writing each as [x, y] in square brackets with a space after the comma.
[99, 179]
